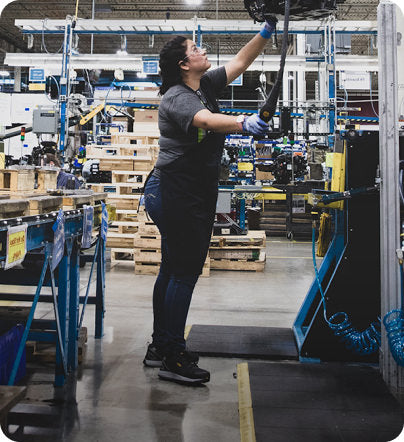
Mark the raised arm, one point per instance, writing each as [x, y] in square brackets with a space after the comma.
[248, 53]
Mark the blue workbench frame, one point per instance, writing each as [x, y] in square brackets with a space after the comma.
[64, 330]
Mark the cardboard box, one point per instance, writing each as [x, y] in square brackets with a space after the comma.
[146, 116]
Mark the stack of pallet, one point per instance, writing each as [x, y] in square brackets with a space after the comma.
[129, 159]
[148, 247]
[243, 252]
[23, 179]
[147, 253]
[18, 196]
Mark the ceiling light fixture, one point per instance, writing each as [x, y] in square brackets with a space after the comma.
[194, 2]
[4, 74]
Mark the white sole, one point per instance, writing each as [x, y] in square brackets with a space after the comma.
[153, 364]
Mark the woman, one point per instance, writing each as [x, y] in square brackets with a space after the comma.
[181, 194]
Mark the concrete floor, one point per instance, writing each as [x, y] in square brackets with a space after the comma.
[116, 398]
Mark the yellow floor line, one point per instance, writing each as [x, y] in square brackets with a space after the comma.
[186, 331]
[6, 303]
[247, 429]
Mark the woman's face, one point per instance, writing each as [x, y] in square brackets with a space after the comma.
[196, 58]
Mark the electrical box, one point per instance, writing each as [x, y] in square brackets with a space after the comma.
[45, 121]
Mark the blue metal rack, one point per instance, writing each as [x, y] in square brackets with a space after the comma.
[64, 329]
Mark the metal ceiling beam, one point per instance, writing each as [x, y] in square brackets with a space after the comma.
[84, 26]
[268, 63]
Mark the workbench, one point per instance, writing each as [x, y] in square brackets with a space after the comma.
[64, 330]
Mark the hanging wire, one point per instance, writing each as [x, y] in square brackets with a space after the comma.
[77, 10]
[363, 343]
[371, 98]
[43, 39]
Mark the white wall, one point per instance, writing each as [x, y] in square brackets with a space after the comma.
[18, 108]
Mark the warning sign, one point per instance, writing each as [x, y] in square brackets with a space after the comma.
[16, 245]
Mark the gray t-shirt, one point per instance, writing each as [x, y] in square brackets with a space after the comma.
[177, 110]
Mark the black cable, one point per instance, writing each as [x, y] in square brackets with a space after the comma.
[268, 109]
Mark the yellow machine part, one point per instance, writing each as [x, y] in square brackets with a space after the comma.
[245, 166]
[337, 182]
[91, 114]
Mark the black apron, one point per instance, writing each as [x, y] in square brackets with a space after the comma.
[189, 188]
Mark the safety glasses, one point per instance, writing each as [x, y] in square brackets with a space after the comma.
[195, 50]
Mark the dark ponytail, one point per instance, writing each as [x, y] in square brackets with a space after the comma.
[170, 56]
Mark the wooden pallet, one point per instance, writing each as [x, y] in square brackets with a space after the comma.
[147, 241]
[47, 179]
[117, 188]
[124, 202]
[17, 180]
[127, 215]
[124, 226]
[148, 229]
[149, 268]
[111, 150]
[121, 255]
[236, 264]
[72, 202]
[127, 163]
[120, 240]
[143, 216]
[206, 268]
[45, 352]
[130, 138]
[147, 255]
[253, 238]
[45, 204]
[124, 176]
[12, 208]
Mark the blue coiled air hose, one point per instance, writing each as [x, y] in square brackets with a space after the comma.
[394, 323]
[363, 343]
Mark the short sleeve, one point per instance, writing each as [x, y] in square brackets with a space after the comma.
[218, 79]
[183, 107]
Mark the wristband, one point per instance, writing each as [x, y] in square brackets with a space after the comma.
[266, 31]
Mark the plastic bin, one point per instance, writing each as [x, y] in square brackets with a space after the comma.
[10, 339]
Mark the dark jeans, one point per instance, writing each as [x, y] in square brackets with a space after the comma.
[172, 294]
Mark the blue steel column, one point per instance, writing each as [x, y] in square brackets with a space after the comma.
[64, 87]
[100, 292]
[63, 308]
[242, 213]
[72, 358]
[199, 36]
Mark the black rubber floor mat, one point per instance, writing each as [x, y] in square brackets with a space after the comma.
[297, 402]
[243, 342]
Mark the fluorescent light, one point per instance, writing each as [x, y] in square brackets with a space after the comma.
[194, 2]
[120, 52]
[4, 74]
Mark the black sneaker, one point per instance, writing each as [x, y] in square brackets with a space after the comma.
[153, 357]
[179, 368]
